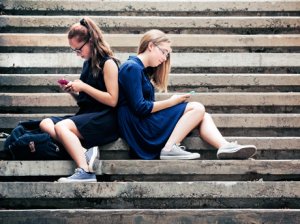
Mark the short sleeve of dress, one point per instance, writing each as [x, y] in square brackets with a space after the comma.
[130, 80]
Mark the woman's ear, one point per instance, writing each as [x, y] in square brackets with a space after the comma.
[150, 46]
[91, 42]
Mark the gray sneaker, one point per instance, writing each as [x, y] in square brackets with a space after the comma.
[92, 158]
[178, 152]
[79, 176]
[235, 151]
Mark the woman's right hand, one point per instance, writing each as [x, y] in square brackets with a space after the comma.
[172, 101]
[67, 88]
[176, 99]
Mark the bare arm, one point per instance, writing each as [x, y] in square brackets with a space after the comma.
[172, 101]
[110, 72]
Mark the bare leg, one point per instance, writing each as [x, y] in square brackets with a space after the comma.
[210, 133]
[47, 126]
[192, 117]
[68, 135]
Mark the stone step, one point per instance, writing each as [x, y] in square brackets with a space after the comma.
[149, 7]
[229, 102]
[184, 82]
[232, 80]
[229, 124]
[20, 100]
[269, 185]
[221, 120]
[183, 60]
[118, 41]
[191, 80]
[157, 170]
[137, 216]
[49, 63]
[129, 24]
[193, 194]
[267, 147]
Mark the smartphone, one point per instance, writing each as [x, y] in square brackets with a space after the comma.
[192, 92]
[63, 81]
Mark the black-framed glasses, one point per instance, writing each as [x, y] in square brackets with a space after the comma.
[163, 51]
[79, 50]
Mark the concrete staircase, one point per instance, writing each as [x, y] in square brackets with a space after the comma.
[242, 59]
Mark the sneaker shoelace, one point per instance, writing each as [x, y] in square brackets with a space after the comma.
[76, 173]
[232, 144]
[87, 158]
[182, 147]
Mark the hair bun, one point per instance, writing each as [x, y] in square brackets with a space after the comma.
[83, 22]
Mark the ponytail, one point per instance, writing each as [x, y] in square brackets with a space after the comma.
[88, 30]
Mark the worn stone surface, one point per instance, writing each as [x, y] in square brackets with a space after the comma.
[148, 216]
[208, 99]
[178, 40]
[187, 79]
[196, 143]
[152, 6]
[252, 47]
[221, 120]
[193, 194]
[157, 190]
[182, 60]
[156, 167]
[144, 22]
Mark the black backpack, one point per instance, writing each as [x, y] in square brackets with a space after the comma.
[28, 142]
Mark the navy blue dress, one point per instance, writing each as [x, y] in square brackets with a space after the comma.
[96, 122]
[146, 133]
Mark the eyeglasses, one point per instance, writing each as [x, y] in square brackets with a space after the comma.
[163, 51]
[79, 50]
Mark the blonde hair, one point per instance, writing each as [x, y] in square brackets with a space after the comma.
[160, 75]
[87, 30]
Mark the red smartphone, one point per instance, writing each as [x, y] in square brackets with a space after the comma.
[63, 81]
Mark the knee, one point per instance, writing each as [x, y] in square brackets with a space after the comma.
[198, 108]
[207, 115]
[45, 124]
[59, 128]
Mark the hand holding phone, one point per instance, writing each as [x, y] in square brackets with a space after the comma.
[63, 82]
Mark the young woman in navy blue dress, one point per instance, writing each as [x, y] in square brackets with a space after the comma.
[154, 129]
[96, 93]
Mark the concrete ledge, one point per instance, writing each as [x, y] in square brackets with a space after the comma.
[178, 40]
[156, 167]
[150, 22]
[241, 99]
[189, 80]
[195, 143]
[235, 79]
[182, 60]
[155, 190]
[137, 216]
[221, 120]
[262, 143]
[208, 99]
[152, 6]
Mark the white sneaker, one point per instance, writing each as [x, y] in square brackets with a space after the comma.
[178, 152]
[235, 151]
